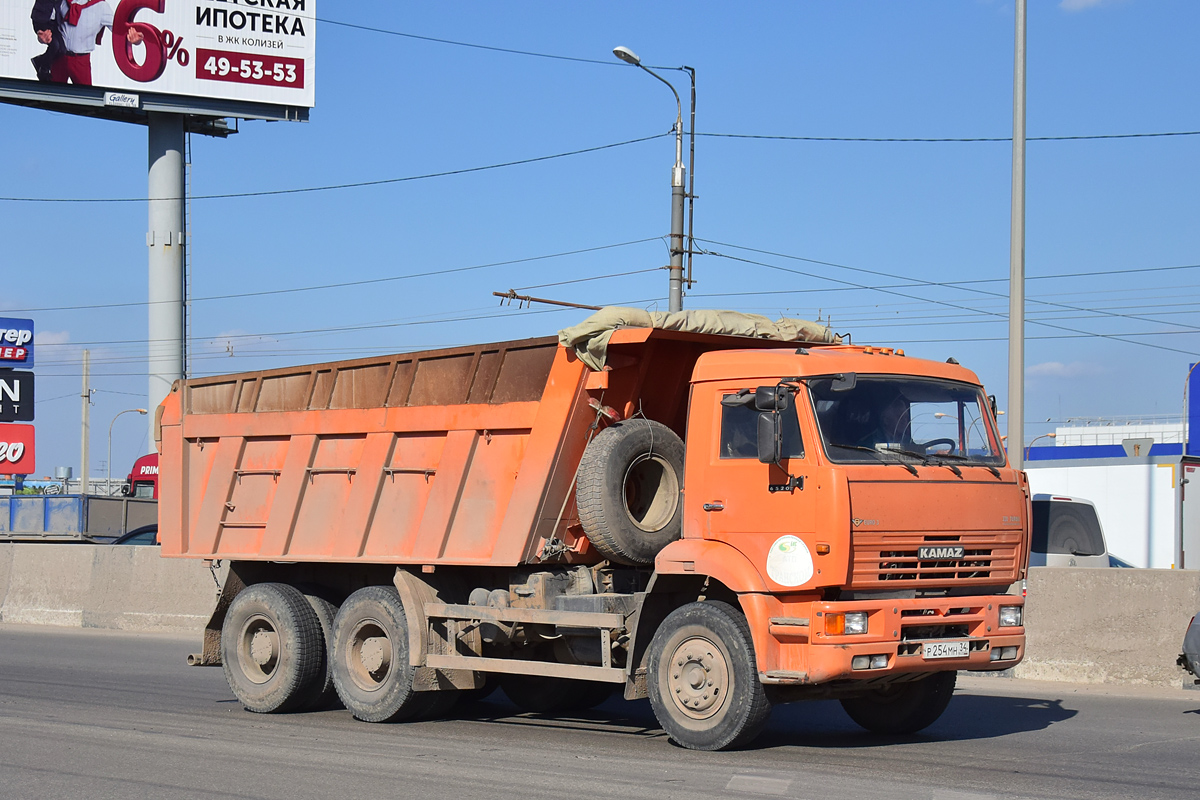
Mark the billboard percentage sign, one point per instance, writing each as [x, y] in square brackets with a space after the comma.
[174, 51]
[156, 41]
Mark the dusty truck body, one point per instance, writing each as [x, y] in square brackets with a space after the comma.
[401, 531]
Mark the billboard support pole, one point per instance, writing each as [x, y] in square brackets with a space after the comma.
[1016, 276]
[165, 240]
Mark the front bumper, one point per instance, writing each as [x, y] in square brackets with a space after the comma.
[898, 630]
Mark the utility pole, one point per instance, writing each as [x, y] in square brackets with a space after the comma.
[86, 427]
[677, 197]
[1016, 275]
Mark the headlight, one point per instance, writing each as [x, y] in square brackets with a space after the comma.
[1010, 616]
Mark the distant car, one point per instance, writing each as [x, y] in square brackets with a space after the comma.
[147, 534]
[1190, 660]
[1067, 533]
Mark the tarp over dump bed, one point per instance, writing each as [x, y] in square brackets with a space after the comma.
[589, 339]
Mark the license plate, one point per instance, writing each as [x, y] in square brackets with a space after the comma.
[941, 553]
[946, 650]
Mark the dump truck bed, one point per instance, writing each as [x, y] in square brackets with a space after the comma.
[459, 456]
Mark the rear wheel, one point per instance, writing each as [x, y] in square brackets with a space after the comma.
[703, 680]
[271, 648]
[370, 658]
[903, 707]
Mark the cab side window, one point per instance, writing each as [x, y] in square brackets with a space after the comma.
[739, 432]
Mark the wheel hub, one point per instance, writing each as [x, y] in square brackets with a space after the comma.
[698, 678]
[262, 647]
[259, 649]
[370, 657]
[376, 654]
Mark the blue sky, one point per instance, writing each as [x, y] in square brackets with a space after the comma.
[925, 213]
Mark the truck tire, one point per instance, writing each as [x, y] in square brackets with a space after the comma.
[370, 658]
[629, 491]
[903, 707]
[539, 695]
[702, 678]
[324, 695]
[271, 648]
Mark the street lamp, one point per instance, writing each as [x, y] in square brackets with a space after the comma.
[1043, 436]
[678, 174]
[108, 480]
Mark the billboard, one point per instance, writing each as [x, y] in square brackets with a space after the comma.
[16, 396]
[16, 343]
[259, 51]
[16, 450]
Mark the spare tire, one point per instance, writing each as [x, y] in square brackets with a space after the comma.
[630, 490]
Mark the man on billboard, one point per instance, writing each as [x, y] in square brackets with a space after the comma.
[45, 25]
[81, 24]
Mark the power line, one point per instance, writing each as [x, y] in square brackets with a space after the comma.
[944, 302]
[343, 284]
[472, 45]
[948, 139]
[593, 278]
[917, 282]
[355, 185]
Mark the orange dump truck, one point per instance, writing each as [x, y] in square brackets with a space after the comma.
[715, 522]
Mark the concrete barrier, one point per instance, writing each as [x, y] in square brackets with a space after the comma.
[103, 586]
[1084, 625]
[1108, 625]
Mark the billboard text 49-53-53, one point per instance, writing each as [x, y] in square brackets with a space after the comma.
[260, 51]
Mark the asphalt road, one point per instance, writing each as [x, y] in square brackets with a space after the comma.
[90, 714]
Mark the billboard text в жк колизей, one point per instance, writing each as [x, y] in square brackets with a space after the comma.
[260, 51]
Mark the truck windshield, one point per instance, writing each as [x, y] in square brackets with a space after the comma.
[890, 418]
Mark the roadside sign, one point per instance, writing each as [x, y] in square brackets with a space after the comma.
[16, 343]
[16, 450]
[16, 396]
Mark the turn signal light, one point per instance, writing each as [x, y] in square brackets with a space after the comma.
[835, 624]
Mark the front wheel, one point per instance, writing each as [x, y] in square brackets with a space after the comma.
[703, 680]
[903, 707]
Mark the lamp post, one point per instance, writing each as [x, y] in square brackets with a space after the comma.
[108, 480]
[678, 176]
[1043, 436]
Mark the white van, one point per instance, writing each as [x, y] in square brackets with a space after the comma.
[1066, 533]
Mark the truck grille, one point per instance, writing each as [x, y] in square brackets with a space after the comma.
[891, 559]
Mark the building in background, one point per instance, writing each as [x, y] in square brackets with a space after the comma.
[1137, 472]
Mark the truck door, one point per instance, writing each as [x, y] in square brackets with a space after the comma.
[728, 486]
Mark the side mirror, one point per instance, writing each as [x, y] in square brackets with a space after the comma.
[772, 398]
[770, 438]
[844, 382]
[995, 409]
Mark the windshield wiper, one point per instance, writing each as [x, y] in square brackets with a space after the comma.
[958, 457]
[879, 454]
